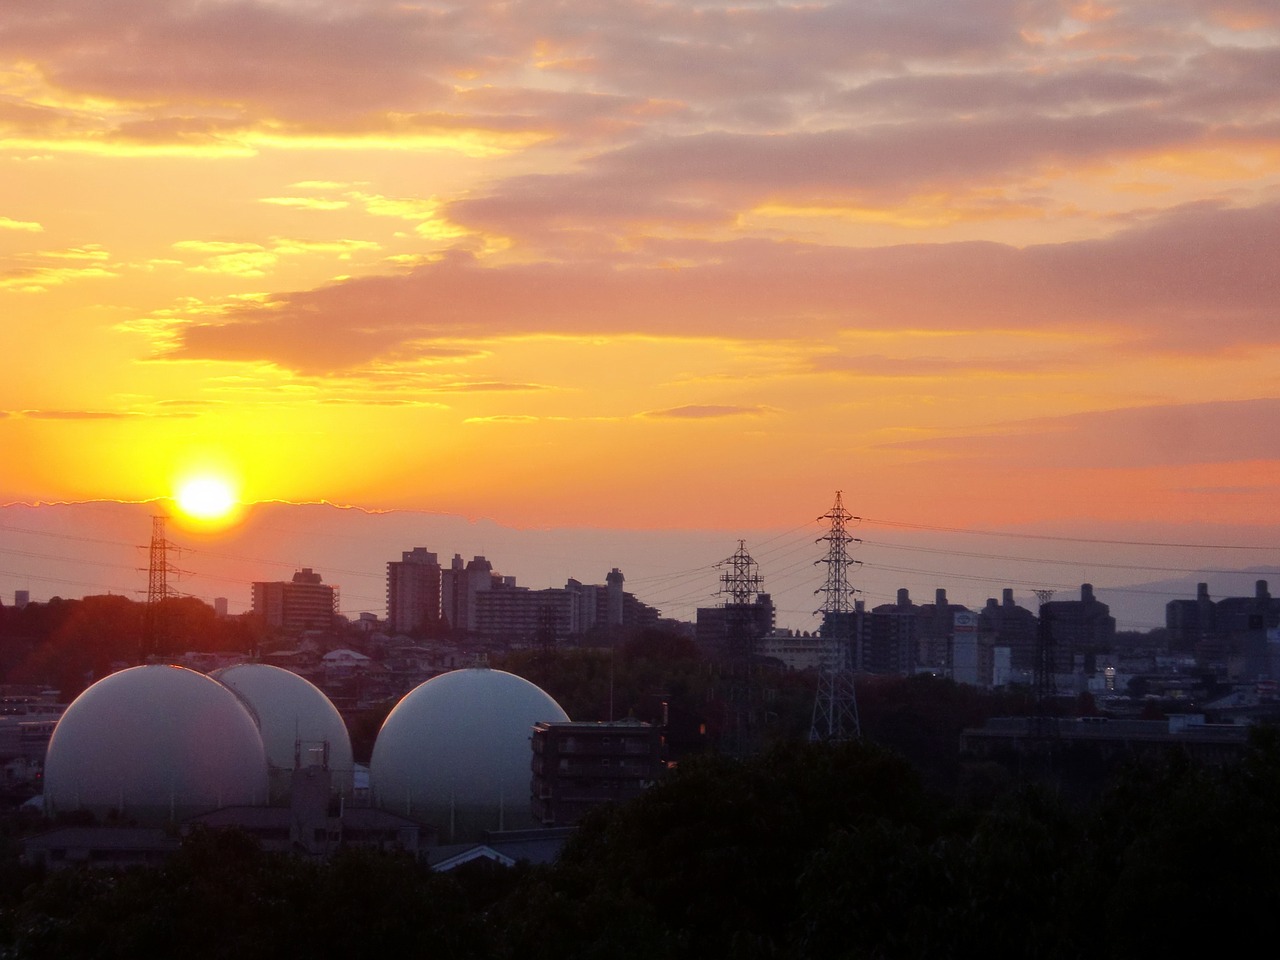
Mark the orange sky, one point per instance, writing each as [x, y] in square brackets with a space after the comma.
[647, 265]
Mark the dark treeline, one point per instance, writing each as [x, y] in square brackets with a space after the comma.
[806, 851]
[653, 675]
[919, 717]
[68, 644]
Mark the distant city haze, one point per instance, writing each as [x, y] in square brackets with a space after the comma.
[73, 550]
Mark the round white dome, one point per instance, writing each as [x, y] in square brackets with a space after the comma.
[460, 740]
[155, 740]
[295, 718]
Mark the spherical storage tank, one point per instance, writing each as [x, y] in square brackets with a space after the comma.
[457, 747]
[155, 741]
[297, 721]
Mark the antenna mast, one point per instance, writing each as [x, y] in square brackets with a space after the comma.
[835, 706]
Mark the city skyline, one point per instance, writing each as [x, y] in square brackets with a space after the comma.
[74, 550]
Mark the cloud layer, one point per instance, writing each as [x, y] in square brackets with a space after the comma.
[628, 233]
[1158, 287]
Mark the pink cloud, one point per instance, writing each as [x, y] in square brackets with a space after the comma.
[1001, 92]
[710, 178]
[1234, 83]
[300, 61]
[632, 68]
[710, 55]
[1160, 287]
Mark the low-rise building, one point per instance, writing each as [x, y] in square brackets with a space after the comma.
[578, 766]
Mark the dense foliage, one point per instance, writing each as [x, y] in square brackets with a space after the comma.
[805, 851]
[68, 644]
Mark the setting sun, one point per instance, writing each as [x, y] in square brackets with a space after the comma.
[206, 499]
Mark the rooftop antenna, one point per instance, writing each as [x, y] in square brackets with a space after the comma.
[835, 706]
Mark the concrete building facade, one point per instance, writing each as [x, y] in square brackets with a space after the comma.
[414, 591]
[579, 766]
[297, 605]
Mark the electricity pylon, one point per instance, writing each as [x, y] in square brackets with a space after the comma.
[835, 706]
[157, 590]
[740, 586]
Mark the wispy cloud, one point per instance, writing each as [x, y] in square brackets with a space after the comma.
[505, 418]
[307, 203]
[878, 366]
[487, 387]
[77, 415]
[37, 272]
[708, 411]
[383, 402]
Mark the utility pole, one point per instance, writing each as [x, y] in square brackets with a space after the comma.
[835, 705]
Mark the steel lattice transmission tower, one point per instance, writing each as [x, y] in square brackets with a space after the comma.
[157, 589]
[740, 581]
[740, 586]
[835, 707]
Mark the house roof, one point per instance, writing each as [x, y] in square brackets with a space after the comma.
[443, 859]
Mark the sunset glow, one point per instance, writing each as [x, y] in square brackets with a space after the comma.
[645, 265]
[205, 498]
[206, 502]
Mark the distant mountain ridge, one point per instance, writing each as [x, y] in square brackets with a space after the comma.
[1144, 603]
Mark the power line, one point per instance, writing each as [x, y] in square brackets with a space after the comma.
[782, 558]
[1060, 539]
[1019, 559]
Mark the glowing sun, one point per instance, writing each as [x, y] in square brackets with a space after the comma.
[207, 499]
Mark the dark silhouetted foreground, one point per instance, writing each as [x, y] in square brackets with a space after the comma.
[807, 851]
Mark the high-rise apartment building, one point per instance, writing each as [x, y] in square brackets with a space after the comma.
[1011, 626]
[461, 584]
[732, 630]
[414, 585]
[518, 613]
[1079, 626]
[294, 606]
